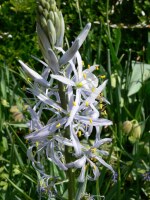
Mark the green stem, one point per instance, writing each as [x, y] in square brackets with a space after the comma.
[70, 173]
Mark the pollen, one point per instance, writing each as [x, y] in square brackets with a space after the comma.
[84, 76]
[79, 85]
[104, 113]
[79, 133]
[74, 103]
[58, 125]
[97, 67]
[91, 121]
[94, 160]
[100, 106]
[37, 144]
[102, 76]
[86, 103]
[93, 150]
[93, 89]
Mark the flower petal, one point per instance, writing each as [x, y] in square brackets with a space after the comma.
[47, 100]
[78, 163]
[69, 54]
[46, 130]
[105, 164]
[75, 141]
[52, 61]
[82, 36]
[62, 79]
[93, 122]
[51, 153]
[34, 75]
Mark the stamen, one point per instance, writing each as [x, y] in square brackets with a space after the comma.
[93, 150]
[93, 89]
[102, 76]
[79, 133]
[86, 103]
[88, 66]
[74, 103]
[37, 143]
[84, 75]
[100, 106]
[79, 85]
[91, 121]
[97, 67]
[58, 125]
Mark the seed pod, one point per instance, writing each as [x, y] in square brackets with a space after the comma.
[136, 130]
[127, 127]
[113, 80]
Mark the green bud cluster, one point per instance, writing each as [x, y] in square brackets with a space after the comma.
[51, 21]
[132, 129]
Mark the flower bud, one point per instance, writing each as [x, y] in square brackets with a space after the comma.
[136, 130]
[127, 127]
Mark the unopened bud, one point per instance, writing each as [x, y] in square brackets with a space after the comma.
[127, 127]
[136, 130]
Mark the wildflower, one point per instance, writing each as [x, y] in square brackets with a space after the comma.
[87, 155]
[66, 123]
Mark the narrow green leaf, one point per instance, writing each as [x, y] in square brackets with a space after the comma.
[140, 73]
[19, 190]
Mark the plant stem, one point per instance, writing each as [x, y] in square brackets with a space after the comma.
[70, 173]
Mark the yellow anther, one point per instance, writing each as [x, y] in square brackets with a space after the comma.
[104, 113]
[100, 106]
[28, 79]
[93, 150]
[58, 125]
[86, 103]
[37, 143]
[79, 133]
[91, 121]
[82, 62]
[93, 89]
[88, 66]
[94, 160]
[84, 75]
[97, 67]
[74, 103]
[80, 84]
[102, 76]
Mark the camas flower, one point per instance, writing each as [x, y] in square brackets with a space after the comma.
[81, 88]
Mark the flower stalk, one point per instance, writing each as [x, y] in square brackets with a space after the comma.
[68, 156]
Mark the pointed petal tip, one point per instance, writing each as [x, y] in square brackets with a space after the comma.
[89, 25]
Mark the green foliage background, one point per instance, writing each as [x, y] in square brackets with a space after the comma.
[114, 47]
